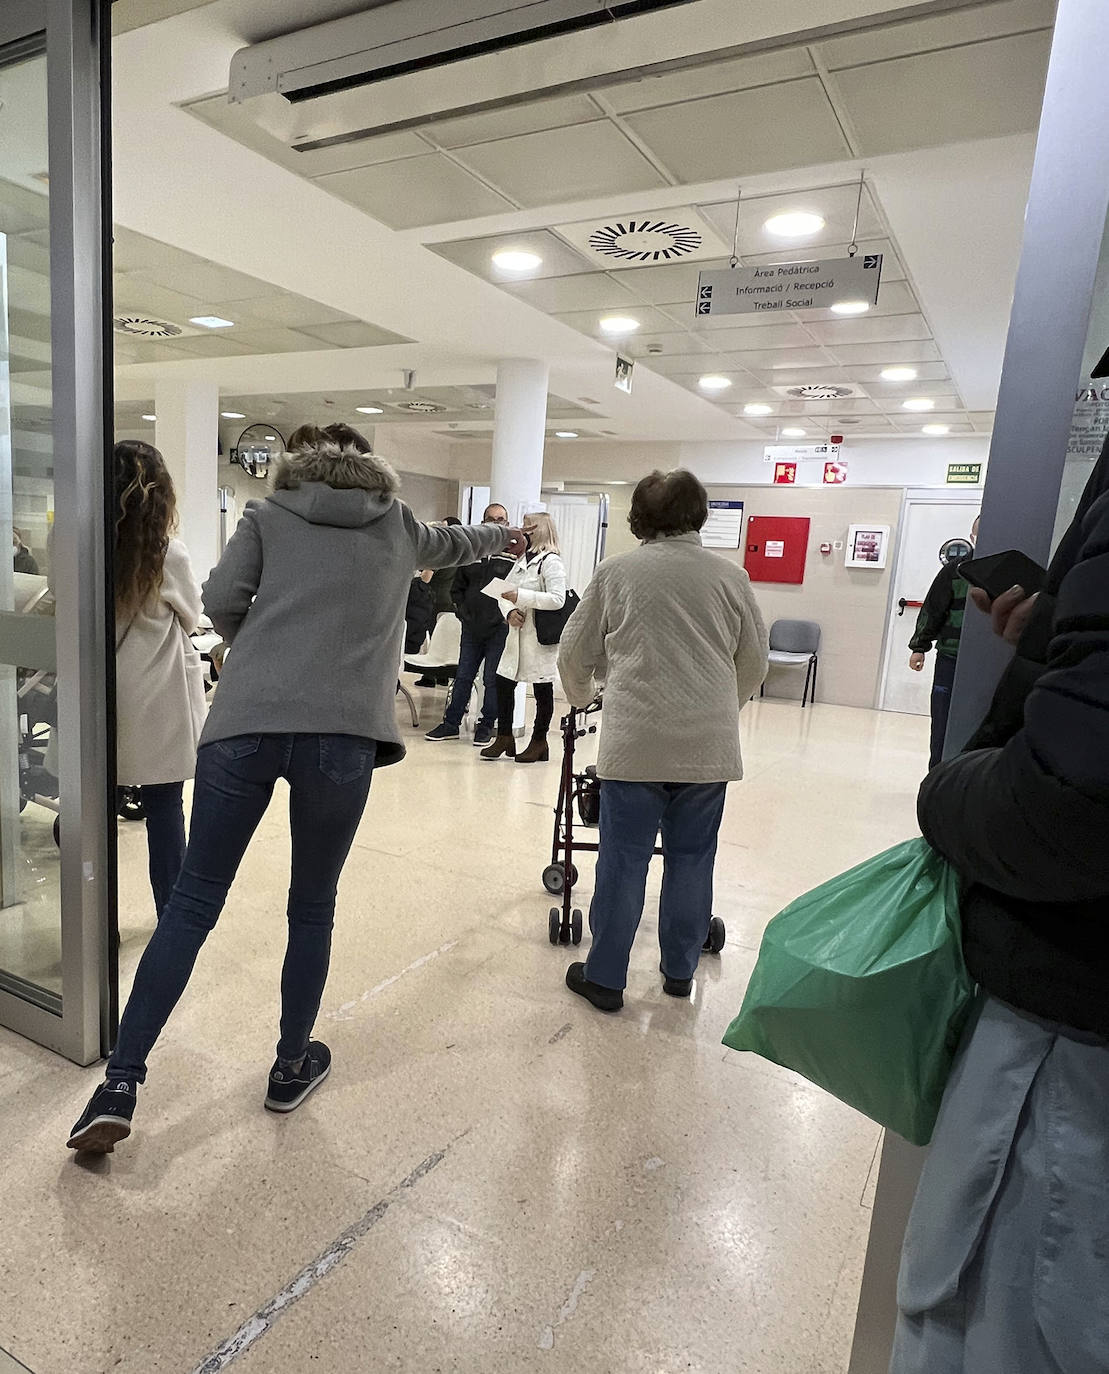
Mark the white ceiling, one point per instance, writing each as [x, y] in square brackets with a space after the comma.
[931, 102]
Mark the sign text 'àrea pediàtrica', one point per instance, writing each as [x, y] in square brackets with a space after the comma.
[816, 285]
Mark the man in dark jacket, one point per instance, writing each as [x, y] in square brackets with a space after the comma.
[484, 631]
[1006, 1257]
[940, 624]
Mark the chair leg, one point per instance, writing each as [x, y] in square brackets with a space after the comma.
[762, 689]
[808, 679]
[411, 703]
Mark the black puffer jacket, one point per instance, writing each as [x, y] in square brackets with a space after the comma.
[1024, 815]
[479, 613]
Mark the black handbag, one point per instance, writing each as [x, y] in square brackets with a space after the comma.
[550, 624]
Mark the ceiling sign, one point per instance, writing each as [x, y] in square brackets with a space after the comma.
[964, 474]
[624, 369]
[766, 287]
[797, 453]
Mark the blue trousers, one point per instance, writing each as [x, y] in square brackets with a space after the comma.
[329, 782]
[474, 656]
[942, 684]
[632, 815]
[165, 837]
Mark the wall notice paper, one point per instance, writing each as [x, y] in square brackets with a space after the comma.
[495, 590]
[775, 548]
[724, 527]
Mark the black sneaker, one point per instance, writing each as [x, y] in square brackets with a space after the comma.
[675, 987]
[289, 1087]
[483, 735]
[604, 999]
[106, 1119]
[443, 731]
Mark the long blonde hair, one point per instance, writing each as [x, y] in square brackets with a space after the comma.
[544, 538]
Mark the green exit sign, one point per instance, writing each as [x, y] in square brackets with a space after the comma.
[964, 474]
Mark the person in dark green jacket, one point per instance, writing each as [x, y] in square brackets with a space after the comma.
[940, 624]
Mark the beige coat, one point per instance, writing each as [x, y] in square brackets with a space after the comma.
[160, 681]
[675, 634]
[541, 586]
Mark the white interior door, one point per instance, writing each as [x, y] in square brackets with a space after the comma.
[929, 522]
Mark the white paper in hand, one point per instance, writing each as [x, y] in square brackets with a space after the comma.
[495, 590]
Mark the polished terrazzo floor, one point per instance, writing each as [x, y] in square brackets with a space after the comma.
[496, 1177]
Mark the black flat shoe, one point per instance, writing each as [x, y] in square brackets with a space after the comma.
[604, 999]
[106, 1120]
[675, 987]
[289, 1087]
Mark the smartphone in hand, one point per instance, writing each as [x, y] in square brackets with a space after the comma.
[998, 572]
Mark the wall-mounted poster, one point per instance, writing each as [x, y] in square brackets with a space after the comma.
[867, 546]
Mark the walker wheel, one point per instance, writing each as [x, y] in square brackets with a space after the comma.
[554, 879]
[573, 874]
[575, 928]
[554, 922]
[716, 937]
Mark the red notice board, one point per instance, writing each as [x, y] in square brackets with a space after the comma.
[775, 547]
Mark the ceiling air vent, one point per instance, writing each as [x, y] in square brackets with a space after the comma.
[819, 393]
[645, 240]
[145, 327]
[423, 408]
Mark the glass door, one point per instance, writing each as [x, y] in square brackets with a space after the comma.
[56, 866]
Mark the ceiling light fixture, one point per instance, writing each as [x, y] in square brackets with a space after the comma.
[793, 433]
[516, 260]
[935, 429]
[794, 224]
[566, 434]
[619, 324]
[212, 321]
[369, 410]
[151, 418]
[757, 408]
[232, 414]
[850, 307]
[713, 382]
[270, 438]
[899, 374]
[918, 403]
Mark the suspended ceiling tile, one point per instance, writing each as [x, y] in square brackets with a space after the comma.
[588, 321]
[29, 324]
[28, 290]
[911, 351]
[682, 366]
[353, 334]
[761, 336]
[802, 370]
[892, 393]
[24, 252]
[210, 346]
[476, 255]
[714, 78]
[870, 375]
[415, 191]
[666, 284]
[986, 90]
[278, 340]
[137, 295]
[22, 210]
[951, 29]
[982, 420]
[670, 344]
[512, 121]
[147, 352]
[293, 311]
[133, 252]
[763, 130]
[834, 204]
[848, 405]
[196, 277]
[958, 424]
[870, 329]
[946, 408]
[563, 164]
[589, 291]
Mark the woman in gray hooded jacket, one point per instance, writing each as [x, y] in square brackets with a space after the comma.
[310, 593]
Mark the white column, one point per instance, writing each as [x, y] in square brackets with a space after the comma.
[187, 433]
[518, 434]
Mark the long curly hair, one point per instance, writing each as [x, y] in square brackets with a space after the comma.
[146, 516]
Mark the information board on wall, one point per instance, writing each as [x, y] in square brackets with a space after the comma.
[724, 527]
[767, 287]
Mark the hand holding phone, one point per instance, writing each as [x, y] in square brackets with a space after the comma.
[999, 573]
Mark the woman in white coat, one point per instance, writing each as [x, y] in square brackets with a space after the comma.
[159, 675]
[538, 583]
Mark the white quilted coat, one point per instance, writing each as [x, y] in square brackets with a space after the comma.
[541, 581]
[675, 634]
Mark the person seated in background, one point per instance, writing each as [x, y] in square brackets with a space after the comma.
[676, 635]
[440, 583]
[940, 623]
[1006, 1266]
[484, 632]
[419, 613]
[23, 560]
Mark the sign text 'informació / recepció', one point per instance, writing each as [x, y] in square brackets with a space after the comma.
[816, 285]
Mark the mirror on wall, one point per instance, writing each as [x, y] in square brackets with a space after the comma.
[258, 447]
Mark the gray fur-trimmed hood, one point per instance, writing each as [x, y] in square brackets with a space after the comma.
[333, 485]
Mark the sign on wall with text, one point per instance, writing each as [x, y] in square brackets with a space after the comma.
[724, 527]
[781, 286]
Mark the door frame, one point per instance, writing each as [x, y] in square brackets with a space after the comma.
[914, 496]
[81, 1024]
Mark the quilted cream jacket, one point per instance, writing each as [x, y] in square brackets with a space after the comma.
[674, 634]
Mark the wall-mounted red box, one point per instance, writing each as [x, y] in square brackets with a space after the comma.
[775, 548]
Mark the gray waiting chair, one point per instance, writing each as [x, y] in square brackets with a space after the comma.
[796, 644]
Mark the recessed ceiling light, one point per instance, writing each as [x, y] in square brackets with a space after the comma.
[918, 403]
[212, 321]
[793, 433]
[794, 224]
[151, 418]
[270, 438]
[232, 414]
[566, 434]
[935, 429]
[369, 410]
[619, 324]
[850, 307]
[899, 374]
[516, 260]
[757, 408]
[713, 382]
[619, 482]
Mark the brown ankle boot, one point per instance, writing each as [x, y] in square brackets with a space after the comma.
[503, 747]
[536, 752]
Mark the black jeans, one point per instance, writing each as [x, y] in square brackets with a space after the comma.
[506, 701]
[476, 654]
[165, 837]
[329, 781]
[942, 683]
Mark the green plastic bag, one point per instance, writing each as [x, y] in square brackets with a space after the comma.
[860, 986]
